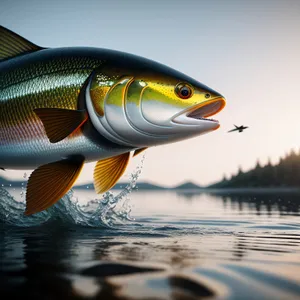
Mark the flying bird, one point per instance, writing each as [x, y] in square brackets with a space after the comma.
[63, 107]
[238, 128]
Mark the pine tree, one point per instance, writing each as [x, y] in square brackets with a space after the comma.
[285, 173]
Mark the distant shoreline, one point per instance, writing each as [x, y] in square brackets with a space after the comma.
[210, 190]
[187, 187]
[245, 190]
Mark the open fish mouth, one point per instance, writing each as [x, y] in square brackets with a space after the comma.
[201, 112]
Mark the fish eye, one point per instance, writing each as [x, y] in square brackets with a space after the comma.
[207, 96]
[184, 90]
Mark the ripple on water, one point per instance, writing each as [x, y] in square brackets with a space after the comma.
[98, 252]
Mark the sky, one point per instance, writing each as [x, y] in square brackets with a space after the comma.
[249, 51]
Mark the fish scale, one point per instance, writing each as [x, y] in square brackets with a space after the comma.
[37, 86]
[53, 82]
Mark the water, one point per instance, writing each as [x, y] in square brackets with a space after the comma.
[157, 245]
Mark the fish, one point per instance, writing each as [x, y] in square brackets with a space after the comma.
[63, 107]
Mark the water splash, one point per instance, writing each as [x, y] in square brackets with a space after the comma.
[108, 211]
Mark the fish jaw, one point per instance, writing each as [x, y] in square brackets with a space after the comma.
[198, 114]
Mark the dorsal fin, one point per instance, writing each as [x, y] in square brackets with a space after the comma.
[12, 44]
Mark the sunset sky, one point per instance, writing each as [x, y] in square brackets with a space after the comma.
[249, 51]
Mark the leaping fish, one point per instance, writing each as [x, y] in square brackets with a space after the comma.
[63, 107]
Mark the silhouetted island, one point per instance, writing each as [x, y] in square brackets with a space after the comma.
[187, 186]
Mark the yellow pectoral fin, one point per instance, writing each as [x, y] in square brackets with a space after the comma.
[48, 183]
[138, 151]
[59, 123]
[108, 171]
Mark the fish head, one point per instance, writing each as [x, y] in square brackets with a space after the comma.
[142, 103]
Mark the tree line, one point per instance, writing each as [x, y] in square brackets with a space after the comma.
[284, 174]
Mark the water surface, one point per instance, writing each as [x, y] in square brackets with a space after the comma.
[158, 245]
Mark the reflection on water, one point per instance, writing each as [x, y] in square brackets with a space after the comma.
[180, 246]
[284, 203]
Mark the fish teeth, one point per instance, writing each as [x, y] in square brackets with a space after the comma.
[201, 118]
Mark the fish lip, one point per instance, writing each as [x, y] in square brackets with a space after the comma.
[201, 112]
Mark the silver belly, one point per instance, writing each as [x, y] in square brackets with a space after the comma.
[32, 154]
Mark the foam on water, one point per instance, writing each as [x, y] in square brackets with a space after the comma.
[108, 211]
